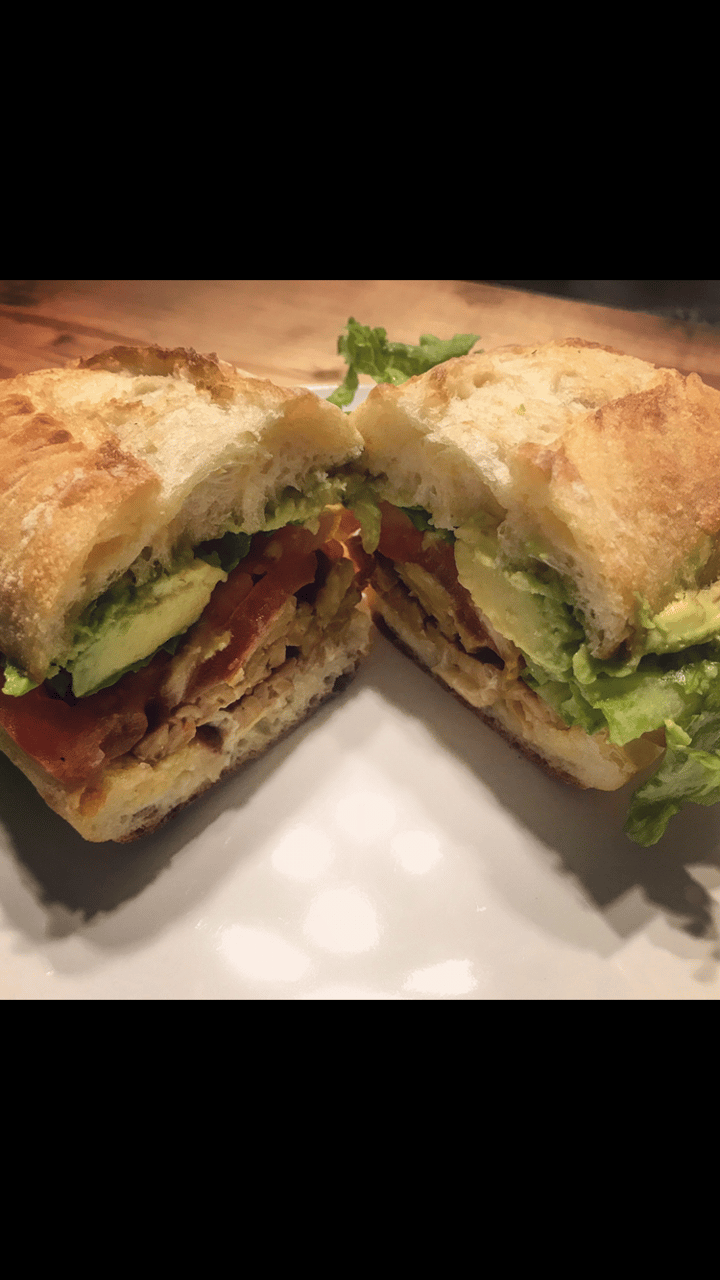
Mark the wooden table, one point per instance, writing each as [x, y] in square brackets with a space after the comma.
[287, 329]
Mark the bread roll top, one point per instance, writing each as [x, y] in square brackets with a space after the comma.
[127, 456]
[596, 463]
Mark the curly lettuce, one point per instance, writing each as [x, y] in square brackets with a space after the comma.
[369, 351]
[680, 692]
[689, 773]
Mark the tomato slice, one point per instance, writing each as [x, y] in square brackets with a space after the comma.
[401, 541]
[252, 617]
[74, 742]
[286, 561]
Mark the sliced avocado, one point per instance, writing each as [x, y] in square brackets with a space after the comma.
[520, 605]
[135, 624]
[690, 619]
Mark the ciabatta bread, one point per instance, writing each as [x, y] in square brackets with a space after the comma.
[124, 469]
[587, 465]
[127, 455]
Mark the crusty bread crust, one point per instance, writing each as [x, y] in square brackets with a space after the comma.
[127, 453]
[608, 463]
[68, 498]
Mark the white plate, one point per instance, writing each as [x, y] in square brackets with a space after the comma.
[393, 848]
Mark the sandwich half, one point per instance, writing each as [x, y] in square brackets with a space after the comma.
[547, 525]
[176, 583]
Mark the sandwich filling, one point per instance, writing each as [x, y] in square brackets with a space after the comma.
[176, 586]
[509, 635]
[202, 652]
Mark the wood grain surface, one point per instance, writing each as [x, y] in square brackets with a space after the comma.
[287, 330]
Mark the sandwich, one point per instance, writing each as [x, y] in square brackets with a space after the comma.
[546, 531]
[177, 585]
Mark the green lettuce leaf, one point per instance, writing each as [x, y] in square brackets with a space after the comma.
[689, 772]
[423, 522]
[656, 692]
[225, 553]
[629, 704]
[16, 682]
[367, 350]
[362, 499]
[680, 691]
[565, 698]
